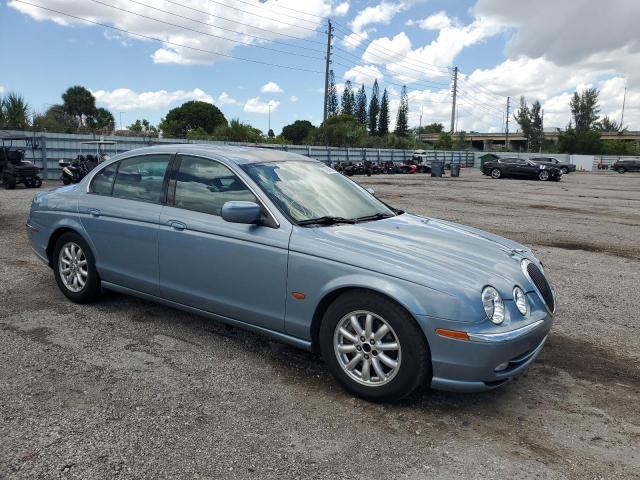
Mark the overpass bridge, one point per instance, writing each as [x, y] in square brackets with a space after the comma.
[517, 141]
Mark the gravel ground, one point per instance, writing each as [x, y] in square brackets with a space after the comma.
[125, 388]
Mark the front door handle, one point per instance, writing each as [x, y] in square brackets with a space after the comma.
[94, 212]
[176, 225]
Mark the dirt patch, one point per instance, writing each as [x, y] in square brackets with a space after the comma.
[593, 247]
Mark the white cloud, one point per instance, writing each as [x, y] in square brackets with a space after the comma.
[293, 98]
[437, 21]
[2, 89]
[267, 19]
[124, 99]
[271, 87]
[382, 13]
[255, 105]
[363, 74]
[226, 99]
[341, 9]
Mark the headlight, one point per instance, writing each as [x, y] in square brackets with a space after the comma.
[493, 305]
[521, 300]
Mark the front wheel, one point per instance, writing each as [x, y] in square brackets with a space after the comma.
[373, 347]
[621, 170]
[74, 269]
[496, 173]
[9, 182]
[543, 175]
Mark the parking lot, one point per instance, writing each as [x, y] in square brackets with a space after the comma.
[131, 389]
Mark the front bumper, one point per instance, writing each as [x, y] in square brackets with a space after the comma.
[470, 365]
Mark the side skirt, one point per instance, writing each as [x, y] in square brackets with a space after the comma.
[282, 337]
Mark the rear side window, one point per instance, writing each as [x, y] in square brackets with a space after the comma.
[204, 185]
[141, 178]
[103, 181]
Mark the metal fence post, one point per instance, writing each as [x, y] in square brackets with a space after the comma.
[43, 156]
[347, 154]
[329, 155]
[378, 156]
[308, 151]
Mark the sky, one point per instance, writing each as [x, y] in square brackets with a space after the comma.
[141, 58]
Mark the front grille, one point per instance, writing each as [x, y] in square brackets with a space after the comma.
[539, 280]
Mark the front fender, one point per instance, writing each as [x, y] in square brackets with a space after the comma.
[319, 279]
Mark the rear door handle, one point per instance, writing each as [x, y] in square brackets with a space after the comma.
[176, 225]
[94, 212]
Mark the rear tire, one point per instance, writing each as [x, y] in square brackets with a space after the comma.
[564, 170]
[622, 170]
[74, 269]
[9, 182]
[373, 375]
[496, 173]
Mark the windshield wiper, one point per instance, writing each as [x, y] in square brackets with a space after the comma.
[375, 216]
[326, 220]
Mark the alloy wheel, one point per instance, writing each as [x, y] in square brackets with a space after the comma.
[367, 348]
[73, 268]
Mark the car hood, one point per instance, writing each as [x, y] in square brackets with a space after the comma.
[441, 255]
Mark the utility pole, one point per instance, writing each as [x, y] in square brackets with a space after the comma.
[326, 72]
[269, 104]
[455, 93]
[624, 100]
[506, 129]
[541, 131]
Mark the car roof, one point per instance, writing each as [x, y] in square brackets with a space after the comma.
[240, 155]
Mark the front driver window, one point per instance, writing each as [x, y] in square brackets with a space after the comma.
[204, 185]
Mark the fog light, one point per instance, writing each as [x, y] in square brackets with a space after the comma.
[501, 367]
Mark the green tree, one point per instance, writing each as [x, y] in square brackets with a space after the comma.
[3, 118]
[581, 142]
[56, 119]
[445, 141]
[237, 131]
[190, 116]
[383, 121]
[297, 131]
[348, 100]
[198, 134]
[609, 125]
[434, 127]
[523, 118]
[584, 109]
[459, 141]
[101, 119]
[537, 134]
[79, 102]
[361, 106]
[16, 112]
[374, 108]
[339, 131]
[332, 97]
[402, 119]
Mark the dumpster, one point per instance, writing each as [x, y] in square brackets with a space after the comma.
[437, 168]
[455, 170]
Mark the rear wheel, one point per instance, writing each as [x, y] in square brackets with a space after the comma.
[74, 269]
[496, 173]
[543, 175]
[9, 181]
[564, 170]
[37, 182]
[373, 347]
[622, 170]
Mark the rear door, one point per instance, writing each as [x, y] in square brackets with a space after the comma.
[234, 270]
[121, 215]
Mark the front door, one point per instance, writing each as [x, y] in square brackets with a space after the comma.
[234, 270]
[121, 216]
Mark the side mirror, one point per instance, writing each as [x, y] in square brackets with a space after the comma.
[241, 212]
[370, 190]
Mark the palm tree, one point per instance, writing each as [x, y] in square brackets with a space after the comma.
[16, 112]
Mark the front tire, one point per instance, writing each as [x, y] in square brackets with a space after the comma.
[496, 173]
[74, 269]
[373, 347]
[622, 170]
[543, 175]
[9, 182]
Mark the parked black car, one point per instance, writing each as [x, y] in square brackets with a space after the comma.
[521, 168]
[564, 167]
[622, 166]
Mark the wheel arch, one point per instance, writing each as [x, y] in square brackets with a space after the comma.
[57, 233]
[405, 302]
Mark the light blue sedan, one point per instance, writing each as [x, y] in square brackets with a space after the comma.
[286, 246]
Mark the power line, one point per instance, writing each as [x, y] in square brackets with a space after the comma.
[243, 24]
[265, 17]
[155, 39]
[201, 32]
[260, 5]
[244, 34]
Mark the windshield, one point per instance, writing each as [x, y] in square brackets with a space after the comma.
[308, 190]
